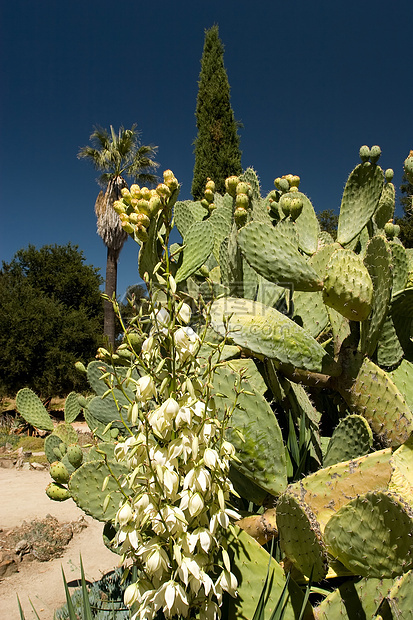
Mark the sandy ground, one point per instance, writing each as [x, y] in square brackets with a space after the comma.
[22, 498]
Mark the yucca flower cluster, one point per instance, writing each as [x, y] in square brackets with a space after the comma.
[139, 205]
[174, 523]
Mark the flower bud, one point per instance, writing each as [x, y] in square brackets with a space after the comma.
[124, 515]
[209, 195]
[231, 185]
[163, 190]
[146, 193]
[242, 200]
[184, 313]
[141, 233]
[170, 180]
[131, 594]
[243, 188]
[154, 204]
[210, 185]
[135, 191]
[119, 206]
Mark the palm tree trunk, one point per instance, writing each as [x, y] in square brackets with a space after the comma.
[110, 289]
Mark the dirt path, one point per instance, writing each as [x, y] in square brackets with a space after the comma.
[22, 498]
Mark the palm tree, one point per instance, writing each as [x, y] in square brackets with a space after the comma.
[116, 156]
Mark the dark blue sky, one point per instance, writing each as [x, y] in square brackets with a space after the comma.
[310, 81]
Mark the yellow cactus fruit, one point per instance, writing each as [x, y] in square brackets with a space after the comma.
[231, 185]
[209, 195]
[163, 190]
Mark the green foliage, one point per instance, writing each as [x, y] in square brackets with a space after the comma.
[217, 153]
[116, 154]
[51, 315]
[328, 222]
[406, 222]
[282, 372]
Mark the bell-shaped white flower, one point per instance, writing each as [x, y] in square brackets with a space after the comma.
[184, 416]
[131, 594]
[162, 418]
[203, 538]
[161, 320]
[186, 342]
[228, 582]
[198, 479]
[188, 567]
[184, 314]
[195, 504]
[145, 388]
[173, 600]
[124, 515]
[157, 562]
[211, 458]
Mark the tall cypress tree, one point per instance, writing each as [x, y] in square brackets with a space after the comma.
[217, 152]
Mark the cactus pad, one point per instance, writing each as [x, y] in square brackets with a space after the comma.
[72, 407]
[385, 208]
[326, 490]
[370, 392]
[354, 599]
[85, 486]
[51, 443]
[360, 199]
[57, 492]
[274, 257]
[378, 262]
[389, 552]
[267, 332]
[266, 467]
[66, 432]
[400, 265]
[59, 472]
[199, 243]
[347, 286]
[186, 213]
[251, 565]
[31, 408]
[351, 438]
[300, 537]
[400, 597]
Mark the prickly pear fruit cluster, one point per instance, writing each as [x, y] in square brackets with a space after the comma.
[208, 201]
[140, 205]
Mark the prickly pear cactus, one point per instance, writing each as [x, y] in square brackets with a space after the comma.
[31, 408]
[329, 327]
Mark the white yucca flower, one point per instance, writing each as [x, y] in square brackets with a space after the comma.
[186, 342]
[145, 388]
[197, 479]
[161, 320]
[172, 598]
[124, 515]
[184, 314]
[228, 582]
[202, 537]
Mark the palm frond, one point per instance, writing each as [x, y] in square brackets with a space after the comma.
[120, 154]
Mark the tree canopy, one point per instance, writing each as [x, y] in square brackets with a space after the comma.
[51, 315]
[406, 222]
[328, 220]
[217, 152]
